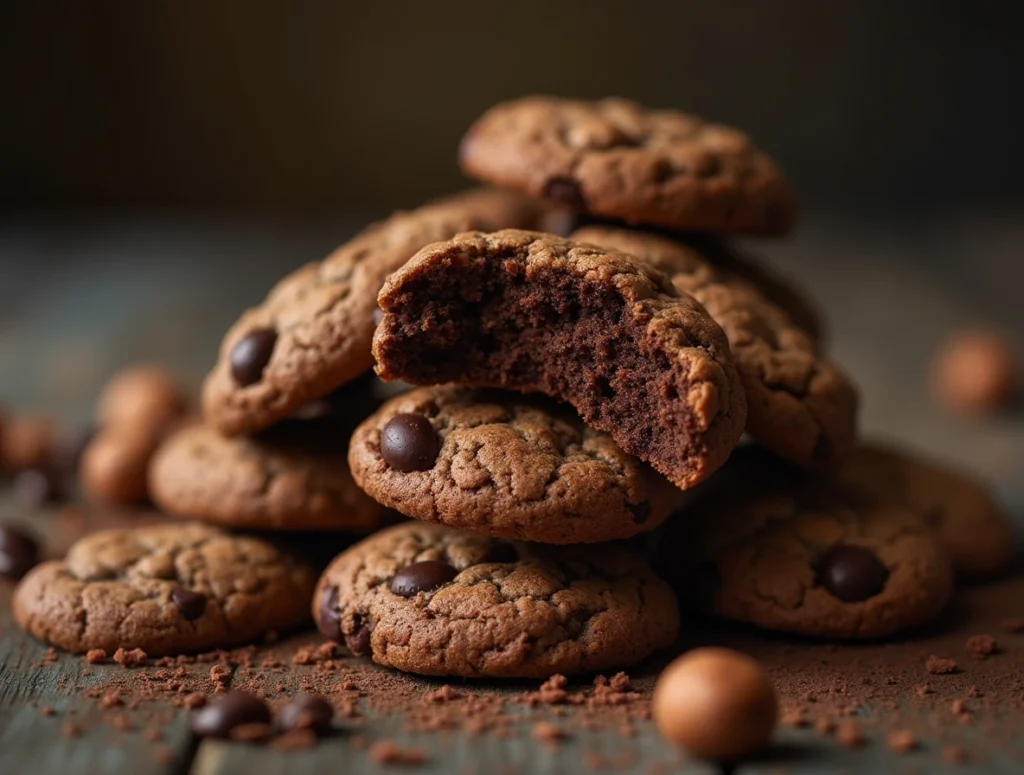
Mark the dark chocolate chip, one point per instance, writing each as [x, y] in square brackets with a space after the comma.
[851, 573]
[191, 603]
[36, 487]
[641, 511]
[251, 354]
[229, 711]
[501, 552]
[359, 641]
[19, 552]
[567, 192]
[306, 711]
[824, 448]
[329, 621]
[408, 443]
[422, 577]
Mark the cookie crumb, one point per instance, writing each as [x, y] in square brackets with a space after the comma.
[445, 694]
[794, 717]
[621, 683]
[959, 707]
[46, 710]
[547, 732]
[194, 700]
[902, 741]
[96, 656]
[940, 665]
[923, 690]
[111, 699]
[219, 674]
[849, 735]
[388, 752]
[982, 646]
[1014, 624]
[133, 658]
[954, 754]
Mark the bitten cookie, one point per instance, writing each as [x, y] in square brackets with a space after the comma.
[792, 553]
[313, 332]
[972, 527]
[799, 404]
[617, 159]
[293, 477]
[426, 599]
[593, 327]
[505, 466]
[166, 589]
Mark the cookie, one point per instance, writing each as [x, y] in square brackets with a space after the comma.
[593, 327]
[971, 526]
[505, 466]
[313, 332]
[426, 599]
[291, 479]
[616, 159]
[799, 404]
[165, 589]
[765, 545]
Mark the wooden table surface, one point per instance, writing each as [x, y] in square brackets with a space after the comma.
[81, 297]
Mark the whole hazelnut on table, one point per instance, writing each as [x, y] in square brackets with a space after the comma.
[115, 465]
[715, 703]
[27, 442]
[975, 372]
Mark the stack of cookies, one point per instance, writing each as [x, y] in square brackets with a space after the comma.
[592, 362]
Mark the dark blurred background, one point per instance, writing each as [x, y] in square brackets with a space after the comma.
[300, 107]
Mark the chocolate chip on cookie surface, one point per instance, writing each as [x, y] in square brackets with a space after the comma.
[426, 599]
[506, 466]
[593, 327]
[166, 589]
[968, 522]
[313, 332]
[616, 159]
[799, 404]
[770, 547]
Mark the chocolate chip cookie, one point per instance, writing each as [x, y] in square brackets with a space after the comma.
[972, 527]
[294, 477]
[313, 332]
[807, 555]
[616, 159]
[166, 589]
[505, 466]
[799, 404]
[426, 599]
[593, 327]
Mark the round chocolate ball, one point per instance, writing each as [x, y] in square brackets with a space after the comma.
[851, 573]
[423, 576]
[229, 711]
[975, 372]
[115, 464]
[306, 711]
[143, 398]
[408, 443]
[251, 354]
[715, 703]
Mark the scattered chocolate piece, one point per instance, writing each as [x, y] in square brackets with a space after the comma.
[231, 710]
[940, 666]
[388, 752]
[408, 443]
[251, 354]
[19, 552]
[306, 711]
[96, 656]
[132, 658]
[982, 646]
[423, 576]
[902, 741]
[716, 703]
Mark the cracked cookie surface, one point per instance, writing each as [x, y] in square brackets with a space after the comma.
[783, 551]
[313, 331]
[167, 589]
[512, 467]
[501, 609]
[799, 404]
[967, 520]
[616, 159]
[292, 478]
[593, 327]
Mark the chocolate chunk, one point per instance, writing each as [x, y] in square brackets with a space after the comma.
[191, 603]
[851, 573]
[359, 641]
[19, 552]
[229, 711]
[566, 192]
[306, 711]
[422, 577]
[250, 356]
[36, 487]
[329, 621]
[408, 443]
